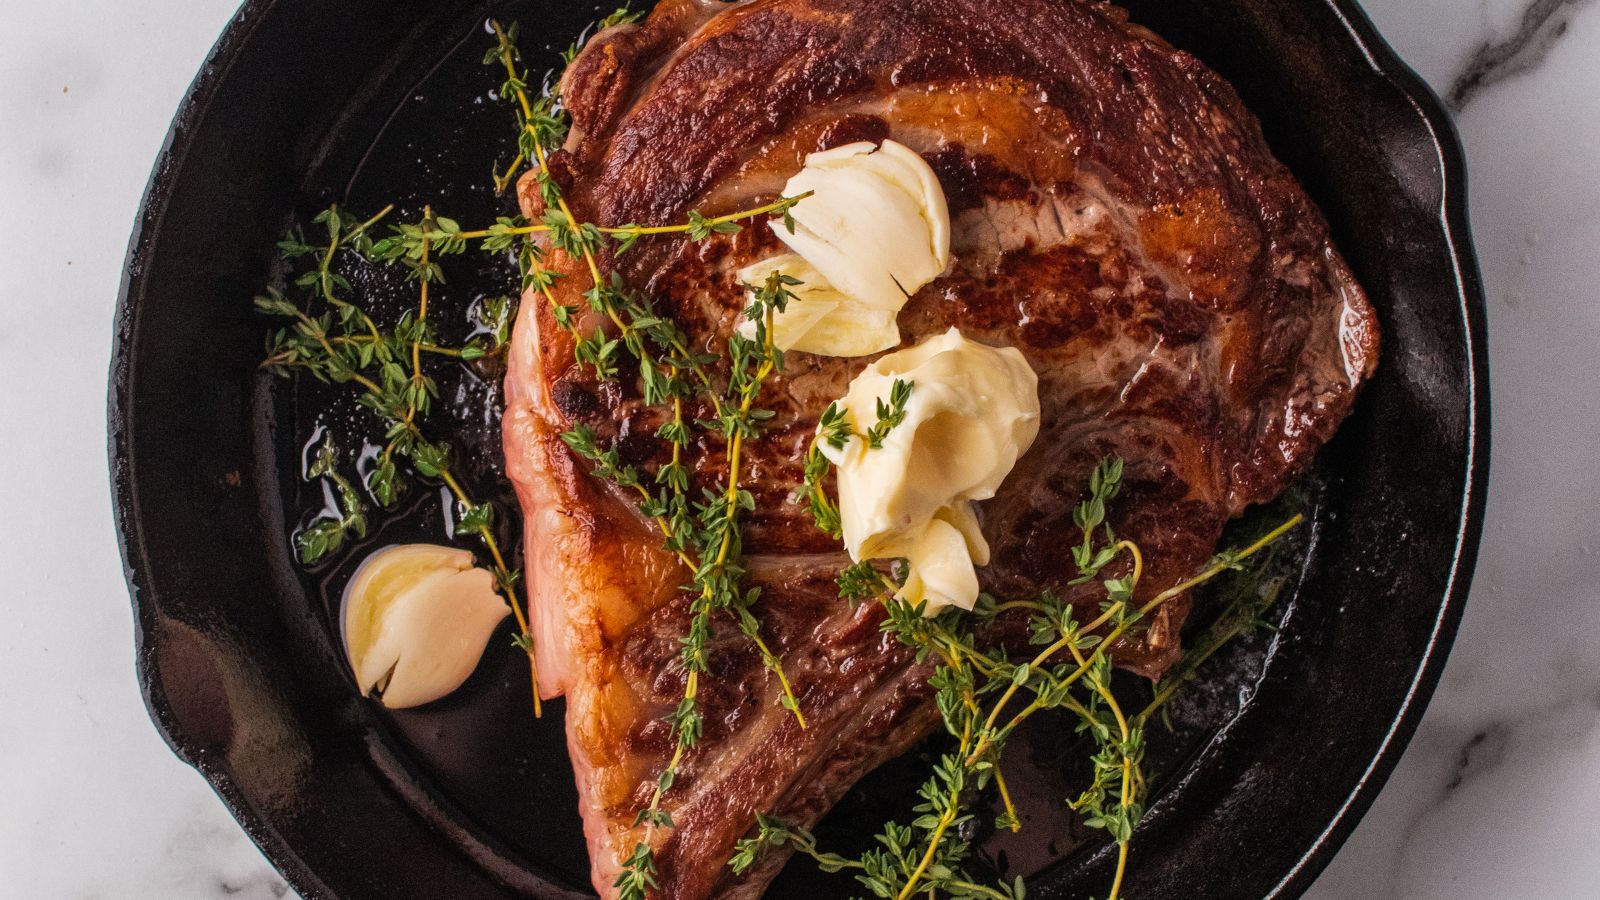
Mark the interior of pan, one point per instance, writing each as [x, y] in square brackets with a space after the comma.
[363, 104]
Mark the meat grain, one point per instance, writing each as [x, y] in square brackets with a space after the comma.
[1116, 216]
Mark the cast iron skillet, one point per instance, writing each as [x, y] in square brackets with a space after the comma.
[304, 102]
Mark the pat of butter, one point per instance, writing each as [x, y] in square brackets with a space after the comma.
[415, 620]
[875, 229]
[972, 413]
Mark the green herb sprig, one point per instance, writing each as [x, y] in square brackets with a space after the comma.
[927, 856]
[327, 533]
[835, 429]
[890, 414]
[1244, 611]
[982, 694]
[706, 537]
[704, 534]
[345, 344]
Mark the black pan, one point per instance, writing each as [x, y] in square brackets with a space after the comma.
[1273, 757]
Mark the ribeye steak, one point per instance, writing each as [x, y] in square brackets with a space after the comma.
[1116, 216]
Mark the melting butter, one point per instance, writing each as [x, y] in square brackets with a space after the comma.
[875, 229]
[416, 619]
[972, 413]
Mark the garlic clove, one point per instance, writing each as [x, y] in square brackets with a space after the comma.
[876, 224]
[914, 176]
[873, 231]
[850, 329]
[819, 319]
[416, 619]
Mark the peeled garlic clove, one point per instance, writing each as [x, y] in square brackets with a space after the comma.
[813, 288]
[916, 177]
[818, 318]
[850, 329]
[415, 621]
[876, 224]
[874, 229]
[810, 301]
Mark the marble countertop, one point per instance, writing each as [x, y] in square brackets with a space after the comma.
[1495, 797]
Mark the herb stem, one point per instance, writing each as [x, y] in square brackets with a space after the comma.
[357, 340]
[946, 817]
[502, 180]
[325, 267]
[1228, 561]
[808, 846]
[507, 58]
[322, 338]
[1122, 870]
[1005, 798]
[438, 350]
[682, 228]
[637, 231]
[1138, 559]
[975, 890]
[376, 218]
[1210, 572]
[1034, 605]
[651, 816]
[1067, 640]
[422, 309]
[1125, 793]
[1229, 625]
[487, 534]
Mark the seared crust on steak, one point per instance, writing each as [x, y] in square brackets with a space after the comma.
[1116, 216]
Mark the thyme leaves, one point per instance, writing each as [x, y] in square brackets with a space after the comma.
[347, 514]
[704, 533]
[343, 343]
[983, 694]
[978, 690]
[890, 414]
[835, 429]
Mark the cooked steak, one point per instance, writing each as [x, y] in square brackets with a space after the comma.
[1116, 216]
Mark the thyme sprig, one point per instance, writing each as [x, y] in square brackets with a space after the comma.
[982, 694]
[326, 534]
[706, 537]
[824, 511]
[835, 429]
[705, 534]
[1072, 671]
[1244, 611]
[578, 236]
[538, 120]
[345, 344]
[890, 414]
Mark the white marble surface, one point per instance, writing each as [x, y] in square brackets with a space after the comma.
[1494, 799]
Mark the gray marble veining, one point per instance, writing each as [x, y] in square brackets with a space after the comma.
[1544, 22]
